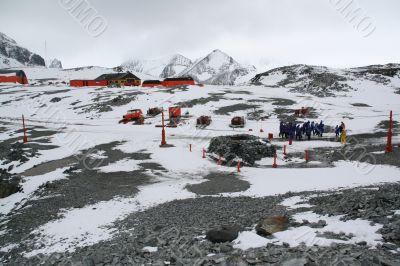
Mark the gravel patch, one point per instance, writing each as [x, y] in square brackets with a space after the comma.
[219, 183]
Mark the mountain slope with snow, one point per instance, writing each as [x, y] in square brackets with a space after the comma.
[323, 81]
[160, 68]
[216, 68]
[13, 55]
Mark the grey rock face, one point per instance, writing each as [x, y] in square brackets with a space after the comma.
[10, 49]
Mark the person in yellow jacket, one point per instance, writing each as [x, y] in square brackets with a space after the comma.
[343, 134]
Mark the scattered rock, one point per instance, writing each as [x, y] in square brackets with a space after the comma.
[223, 234]
[271, 225]
[55, 100]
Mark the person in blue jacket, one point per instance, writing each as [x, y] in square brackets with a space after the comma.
[308, 130]
[321, 128]
[337, 131]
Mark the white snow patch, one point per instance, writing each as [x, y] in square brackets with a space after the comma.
[125, 165]
[250, 239]
[361, 230]
[150, 249]
[294, 202]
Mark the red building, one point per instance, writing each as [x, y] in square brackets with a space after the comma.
[87, 83]
[172, 82]
[122, 79]
[151, 83]
[13, 76]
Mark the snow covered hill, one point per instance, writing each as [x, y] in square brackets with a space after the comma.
[13, 55]
[163, 67]
[323, 81]
[217, 68]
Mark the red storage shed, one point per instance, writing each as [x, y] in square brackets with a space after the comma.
[151, 83]
[172, 82]
[13, 76]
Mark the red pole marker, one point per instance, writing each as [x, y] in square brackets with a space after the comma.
[238, 166]
[275, 165]
[204, 153]
[284, 149]
[306, 156]
[25, 139]
[190, 147]
[389, 147]
[163, 141]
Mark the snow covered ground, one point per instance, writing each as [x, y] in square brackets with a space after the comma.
[79, 127]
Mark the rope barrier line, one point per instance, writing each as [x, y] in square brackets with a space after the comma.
[268, 121]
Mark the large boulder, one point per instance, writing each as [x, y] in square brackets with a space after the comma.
[247, 148]
[271, 225]
[9, 184]
[223, 234]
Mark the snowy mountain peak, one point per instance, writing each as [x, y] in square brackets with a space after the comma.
[217, 68]
[54, 63]
[162, 67]
[13, 55]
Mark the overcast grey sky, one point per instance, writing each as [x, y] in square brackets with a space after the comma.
[252, 31]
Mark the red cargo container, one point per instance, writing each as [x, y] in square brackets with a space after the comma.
[87, 83]
[174, 111]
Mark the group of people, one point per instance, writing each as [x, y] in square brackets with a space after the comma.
[292, 130]
[341, 131]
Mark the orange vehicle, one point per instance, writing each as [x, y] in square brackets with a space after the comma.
[175, 114]
[134, 115]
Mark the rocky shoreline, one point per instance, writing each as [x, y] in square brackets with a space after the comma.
[178, 233]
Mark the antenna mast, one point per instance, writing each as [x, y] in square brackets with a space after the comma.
[45, 53]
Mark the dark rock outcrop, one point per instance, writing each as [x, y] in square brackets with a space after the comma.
[245, 147]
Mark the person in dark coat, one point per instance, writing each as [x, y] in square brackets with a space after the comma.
[298, 132]
[337, 131]
[321, 128]
[308, 133]
[281, 129]
[313, 128]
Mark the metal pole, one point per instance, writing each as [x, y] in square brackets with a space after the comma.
[389, 147]
[25, 139]
[163, 141]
